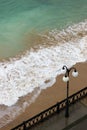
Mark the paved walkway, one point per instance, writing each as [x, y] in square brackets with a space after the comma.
[77, 119]
[80, 124]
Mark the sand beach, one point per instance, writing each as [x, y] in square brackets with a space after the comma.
[52, 95]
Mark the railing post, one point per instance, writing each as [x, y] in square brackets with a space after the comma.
[41, 120]
[58, 107]
[24, 126]
[73, 100]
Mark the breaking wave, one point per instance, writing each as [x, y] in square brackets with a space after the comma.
[38, 69]
[19, 77]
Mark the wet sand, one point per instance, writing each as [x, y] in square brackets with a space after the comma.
[52, 95]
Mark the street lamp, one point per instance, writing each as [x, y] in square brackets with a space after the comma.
[66, 79]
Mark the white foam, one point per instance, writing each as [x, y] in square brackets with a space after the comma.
[21, 76]
[7, 114]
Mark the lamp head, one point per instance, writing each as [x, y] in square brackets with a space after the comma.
[75, 73]
[65, 78]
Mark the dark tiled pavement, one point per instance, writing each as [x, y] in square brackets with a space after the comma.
[80, 124]
[76, 121]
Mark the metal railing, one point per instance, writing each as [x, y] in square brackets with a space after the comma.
[50, 111]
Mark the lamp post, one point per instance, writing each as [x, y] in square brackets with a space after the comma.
[66, 79]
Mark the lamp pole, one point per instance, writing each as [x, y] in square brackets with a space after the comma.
[66, 79]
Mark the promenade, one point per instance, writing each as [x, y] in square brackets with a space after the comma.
[77, 119]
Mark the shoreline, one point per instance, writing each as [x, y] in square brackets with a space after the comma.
[52, 95]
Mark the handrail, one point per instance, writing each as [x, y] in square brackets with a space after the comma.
[51, 110]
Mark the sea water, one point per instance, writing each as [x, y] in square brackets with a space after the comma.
[19, 19]
[37, 37]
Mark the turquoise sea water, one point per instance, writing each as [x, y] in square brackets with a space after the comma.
[24, 24]
[19, 18]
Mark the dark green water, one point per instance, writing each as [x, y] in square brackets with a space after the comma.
[19, 18]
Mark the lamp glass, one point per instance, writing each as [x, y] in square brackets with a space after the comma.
[65, 78]
[74, 73]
